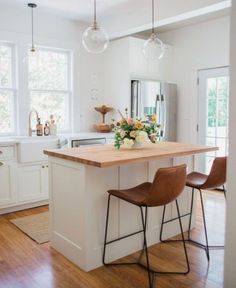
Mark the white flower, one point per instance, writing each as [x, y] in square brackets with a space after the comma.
[122, 133]
[141, 137]
[128, 142]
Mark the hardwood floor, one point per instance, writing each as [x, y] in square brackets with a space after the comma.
[26, 264]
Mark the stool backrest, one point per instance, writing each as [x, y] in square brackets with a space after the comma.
[217, 176]
[167, 185]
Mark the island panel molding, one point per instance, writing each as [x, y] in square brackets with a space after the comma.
[106, 155]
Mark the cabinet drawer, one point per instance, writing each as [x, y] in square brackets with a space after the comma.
[7, 152]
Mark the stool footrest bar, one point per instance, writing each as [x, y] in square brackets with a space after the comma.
[164, 272]
[176, 218]
[204, 246]
[123, 237]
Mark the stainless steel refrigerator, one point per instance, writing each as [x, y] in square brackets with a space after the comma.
[148, 97]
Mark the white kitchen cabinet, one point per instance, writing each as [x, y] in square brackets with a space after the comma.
[7, 184]
[32, 183]
[7, 175]
[22, 186]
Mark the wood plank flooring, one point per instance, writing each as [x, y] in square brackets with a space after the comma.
[26, 264]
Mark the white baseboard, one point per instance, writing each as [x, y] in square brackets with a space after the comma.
[23, 206]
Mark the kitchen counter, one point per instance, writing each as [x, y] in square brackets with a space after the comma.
[106, 155]
[78, 198]
[69, 137]
[8, 141]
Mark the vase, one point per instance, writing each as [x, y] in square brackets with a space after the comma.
[137, 145]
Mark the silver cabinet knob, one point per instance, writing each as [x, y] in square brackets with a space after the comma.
[1, 164]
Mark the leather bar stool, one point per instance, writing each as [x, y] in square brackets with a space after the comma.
[167, 185]
[200, 181]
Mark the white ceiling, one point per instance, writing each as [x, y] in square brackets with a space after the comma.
[83, 9]
[77, 9]
[125, 17]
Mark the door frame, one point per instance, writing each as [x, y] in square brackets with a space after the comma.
[201, 109]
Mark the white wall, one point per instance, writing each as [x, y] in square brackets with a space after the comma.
[204, 45]
[52, 31]
[123, 61]
[230, 250]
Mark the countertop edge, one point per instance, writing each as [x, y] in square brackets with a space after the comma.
[84, 161]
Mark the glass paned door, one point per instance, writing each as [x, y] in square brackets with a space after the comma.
[213, 113]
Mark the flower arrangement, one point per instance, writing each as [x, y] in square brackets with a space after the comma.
[133, 132]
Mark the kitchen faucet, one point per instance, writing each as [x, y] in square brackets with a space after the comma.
[30, 124]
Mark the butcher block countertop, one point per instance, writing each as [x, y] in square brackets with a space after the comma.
[106, 155]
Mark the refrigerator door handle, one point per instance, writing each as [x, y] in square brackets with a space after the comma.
[158, 106]
[135, 90]
[163, 110]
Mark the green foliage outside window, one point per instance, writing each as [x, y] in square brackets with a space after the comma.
[217, 102]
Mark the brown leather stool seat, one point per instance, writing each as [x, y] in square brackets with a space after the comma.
[199, 181]
[167, 185]
[196, 179]
[135, 195]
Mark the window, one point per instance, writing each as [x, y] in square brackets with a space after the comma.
[50, 85]
[7, 89]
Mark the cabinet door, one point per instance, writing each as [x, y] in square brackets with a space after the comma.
[7, 192]
[31, 183]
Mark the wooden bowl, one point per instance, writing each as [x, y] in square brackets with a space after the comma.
[103, 109]
[103, 128]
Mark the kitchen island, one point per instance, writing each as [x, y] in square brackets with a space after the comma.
[78, 182]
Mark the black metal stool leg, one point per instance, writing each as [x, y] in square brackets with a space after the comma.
[168, 221]
[115, 240]
[206, 247]
[105, 240]
[166, 241]
[224, 190]
[162, 223]
[143, 250]
[151, 272]
[182, 234]
[205, 228]
[144, 223]
[191, 212]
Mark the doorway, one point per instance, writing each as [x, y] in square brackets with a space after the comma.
[213, 96]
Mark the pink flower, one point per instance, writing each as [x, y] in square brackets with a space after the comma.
[130, 121]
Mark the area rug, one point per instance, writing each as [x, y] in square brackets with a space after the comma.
[35, 226]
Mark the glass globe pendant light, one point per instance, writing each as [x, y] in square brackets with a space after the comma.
[95, 40]
[153, 48]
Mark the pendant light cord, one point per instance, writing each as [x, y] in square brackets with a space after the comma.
[32, 26]
[95, 12]
[153, 16]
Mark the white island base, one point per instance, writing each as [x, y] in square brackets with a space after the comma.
[78, 203]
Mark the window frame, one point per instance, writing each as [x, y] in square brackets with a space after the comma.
[13, 89]
[69, 92]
